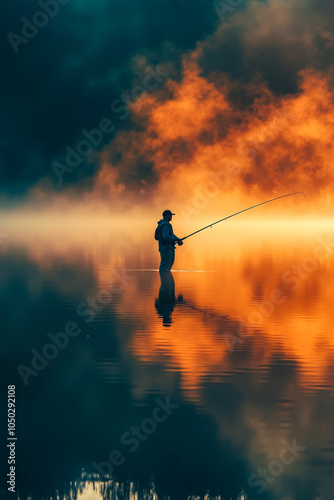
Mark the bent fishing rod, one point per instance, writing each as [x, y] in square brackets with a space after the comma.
[245, 210]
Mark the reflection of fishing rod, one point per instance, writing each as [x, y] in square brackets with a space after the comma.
[245, 210]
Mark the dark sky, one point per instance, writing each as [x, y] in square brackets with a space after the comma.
[64, 78]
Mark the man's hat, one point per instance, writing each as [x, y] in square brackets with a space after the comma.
[167, 212]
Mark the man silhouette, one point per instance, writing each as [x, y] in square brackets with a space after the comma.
[167, 240]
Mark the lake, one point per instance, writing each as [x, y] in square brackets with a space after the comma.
[226, 390]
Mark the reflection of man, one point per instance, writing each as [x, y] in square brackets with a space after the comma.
[167, 239]
[167, 300]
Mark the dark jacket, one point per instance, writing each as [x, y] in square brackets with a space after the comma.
[168, 237]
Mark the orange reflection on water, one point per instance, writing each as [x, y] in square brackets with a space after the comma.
[257, 296]
[262, 288]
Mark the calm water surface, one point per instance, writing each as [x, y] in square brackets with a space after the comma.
[243, 359]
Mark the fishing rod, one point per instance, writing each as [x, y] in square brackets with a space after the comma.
[245, 210]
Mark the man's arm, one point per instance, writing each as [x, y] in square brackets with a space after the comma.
[167, 236]
[170, 237]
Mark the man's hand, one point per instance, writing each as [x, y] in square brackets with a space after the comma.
[180, 243]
